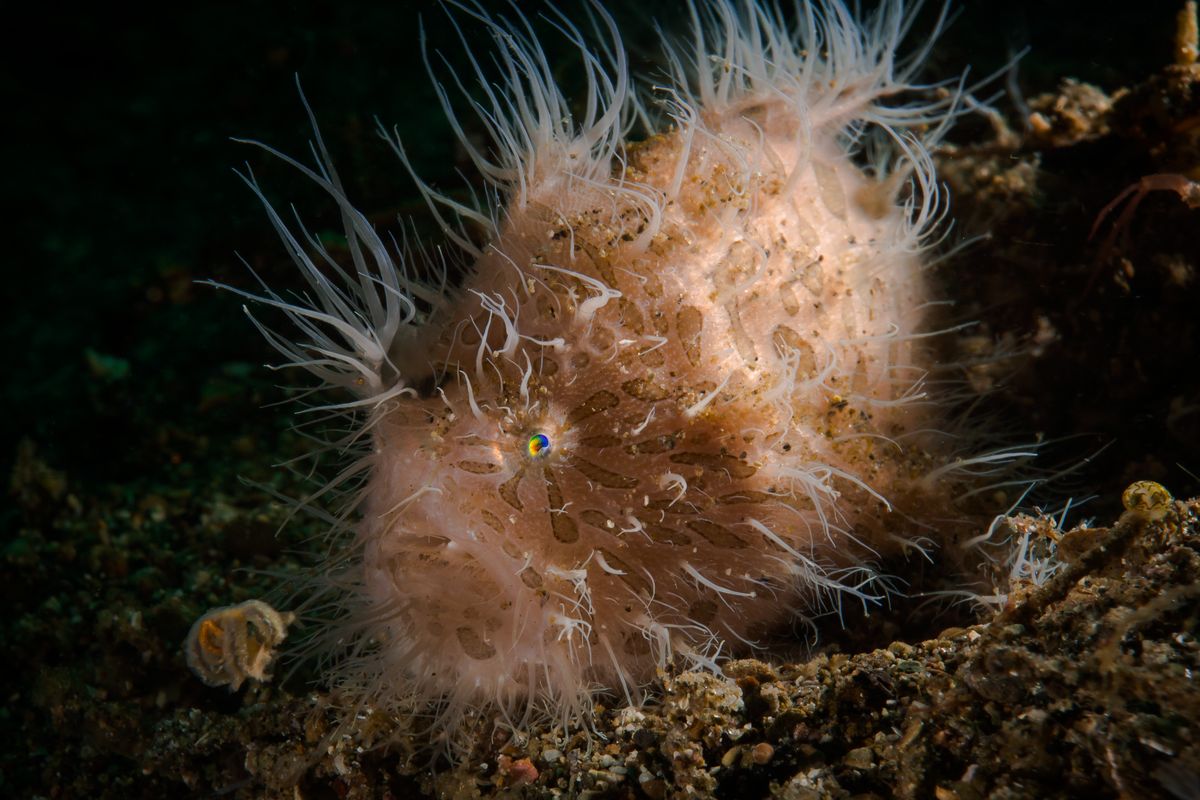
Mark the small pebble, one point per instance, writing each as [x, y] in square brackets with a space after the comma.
[1147, 496]
[522, 771]
[859, 758]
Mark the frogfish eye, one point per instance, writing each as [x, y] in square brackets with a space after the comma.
[538, 445]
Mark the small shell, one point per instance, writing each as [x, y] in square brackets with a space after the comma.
[1149, 497]
[232, 643]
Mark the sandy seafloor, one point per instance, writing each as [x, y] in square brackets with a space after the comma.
[136, 425]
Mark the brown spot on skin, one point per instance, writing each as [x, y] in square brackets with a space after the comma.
[531, 578]
[473, 644]
[598, 259]
[788, 342]
[631, 577]
[831, 193]
[563, 525]
[653, 287]
[631, 316]
[508, 490]
[653, 357]
[670, 505]
[787, 295]
[688, 324]
[419, 543]
[645, 389]
[600, 401]
[512, 548]
[664, 535]
[659, 444]
[813, 277]
[600, 475]
[716, 535]
[741, 339]
[715, 461]
[491, 520]
[478, 467]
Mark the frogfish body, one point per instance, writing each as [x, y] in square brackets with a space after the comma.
[677, 404]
